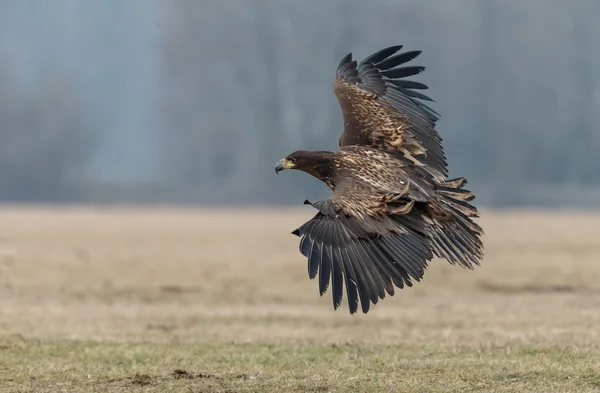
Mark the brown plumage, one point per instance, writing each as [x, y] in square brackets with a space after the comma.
[392, 208]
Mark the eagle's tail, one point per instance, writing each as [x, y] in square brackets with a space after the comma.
[453, 233]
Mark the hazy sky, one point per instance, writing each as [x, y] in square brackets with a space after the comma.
[109, 51]
[197, 98]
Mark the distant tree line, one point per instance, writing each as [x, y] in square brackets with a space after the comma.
[44, 140]
[246, 82]
[516, 84]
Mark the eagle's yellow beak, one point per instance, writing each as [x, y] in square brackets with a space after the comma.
[284, 164]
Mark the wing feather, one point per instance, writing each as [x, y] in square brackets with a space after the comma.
[395, 60]
[326, 263]
[337, 278]
[366, 257]
[383, 111]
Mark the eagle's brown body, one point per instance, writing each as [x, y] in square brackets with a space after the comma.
[392, 208]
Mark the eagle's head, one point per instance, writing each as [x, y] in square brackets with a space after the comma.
[317, 163]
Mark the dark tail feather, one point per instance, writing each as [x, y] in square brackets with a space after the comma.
[454, 234]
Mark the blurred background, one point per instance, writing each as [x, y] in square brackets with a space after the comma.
[193, 102]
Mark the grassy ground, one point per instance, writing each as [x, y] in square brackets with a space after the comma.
[219, 301]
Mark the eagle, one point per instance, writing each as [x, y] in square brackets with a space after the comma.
[393, 207]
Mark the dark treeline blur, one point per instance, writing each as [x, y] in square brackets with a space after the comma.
[242, 83]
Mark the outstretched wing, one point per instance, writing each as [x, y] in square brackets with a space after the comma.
[347, 245]
[383, 110]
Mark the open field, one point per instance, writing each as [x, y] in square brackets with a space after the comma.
[133, 300]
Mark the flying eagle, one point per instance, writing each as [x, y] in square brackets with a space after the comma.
[392, 207]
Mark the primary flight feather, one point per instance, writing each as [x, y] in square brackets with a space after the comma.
[392, 208]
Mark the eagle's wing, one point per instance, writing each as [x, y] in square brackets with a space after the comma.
[382, 110]
[352, 244]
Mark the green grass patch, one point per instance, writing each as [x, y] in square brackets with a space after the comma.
[91, 366]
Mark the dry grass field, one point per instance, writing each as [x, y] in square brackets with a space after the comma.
[160, 300]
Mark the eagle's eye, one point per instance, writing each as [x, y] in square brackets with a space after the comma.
[293, 160]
